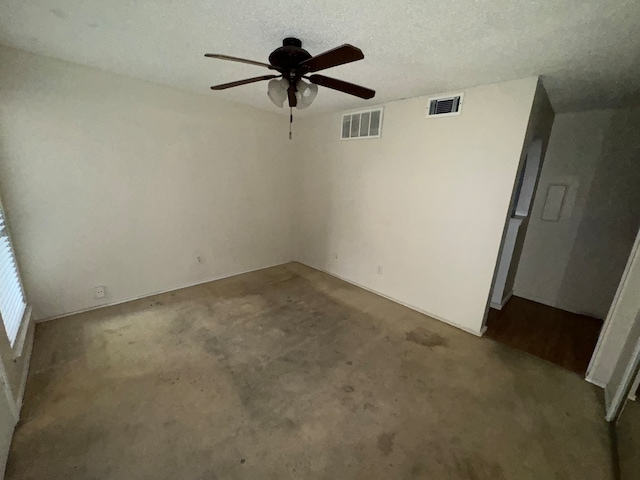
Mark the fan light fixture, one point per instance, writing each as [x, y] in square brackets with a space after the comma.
[305, 92]
[290, 63]
[277, 91]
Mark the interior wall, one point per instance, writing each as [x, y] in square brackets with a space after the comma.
[417, 215]
[576, 263]
[112, 181]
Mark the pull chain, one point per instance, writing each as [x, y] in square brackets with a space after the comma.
[290, 120]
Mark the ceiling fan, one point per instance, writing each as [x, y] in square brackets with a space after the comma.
[293, 65]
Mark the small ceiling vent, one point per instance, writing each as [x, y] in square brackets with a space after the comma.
[363, 124]
[445, 106]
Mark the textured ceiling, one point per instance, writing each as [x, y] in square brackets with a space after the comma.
[588, 51]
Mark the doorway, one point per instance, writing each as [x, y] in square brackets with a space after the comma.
[558, 336]
[563, 263]
[516, 226]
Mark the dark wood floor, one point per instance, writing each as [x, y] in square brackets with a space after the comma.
[564, 338]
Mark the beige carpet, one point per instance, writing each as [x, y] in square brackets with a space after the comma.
[291, 373]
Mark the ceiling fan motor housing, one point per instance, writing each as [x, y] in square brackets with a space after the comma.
[289, 56]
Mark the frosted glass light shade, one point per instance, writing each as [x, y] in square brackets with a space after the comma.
[277, 91]
[306, 94]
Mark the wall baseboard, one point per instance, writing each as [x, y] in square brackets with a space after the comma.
[634, 388]
[595, 382]
[550, 303]
[500, 306]
[477, 333]
[159, 292]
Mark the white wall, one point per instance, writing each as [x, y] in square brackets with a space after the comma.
[576, 263]
[113, 181]
[427, 201]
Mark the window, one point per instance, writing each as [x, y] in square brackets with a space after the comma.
[365, 124]
[12, 303]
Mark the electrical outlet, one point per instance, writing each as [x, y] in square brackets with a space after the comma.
[379, 269]
[99, 292]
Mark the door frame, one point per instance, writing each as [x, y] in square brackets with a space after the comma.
[623, 374]
[520, 206]
[615, 403]
[6, 388]
[613, 309]
[13, 415]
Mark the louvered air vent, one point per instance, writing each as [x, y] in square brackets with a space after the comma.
[364, 124]
[445, 106]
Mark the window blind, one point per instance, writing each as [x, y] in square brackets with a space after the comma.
[12, 303]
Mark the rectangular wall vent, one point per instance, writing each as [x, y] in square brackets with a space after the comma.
[445, 106]
[363, 124]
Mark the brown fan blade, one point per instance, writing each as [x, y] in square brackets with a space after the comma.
[338, 56]
[342, 86]
[239, 60]
[243, 82]
[291, 92]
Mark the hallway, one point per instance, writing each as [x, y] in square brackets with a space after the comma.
[564, 338]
